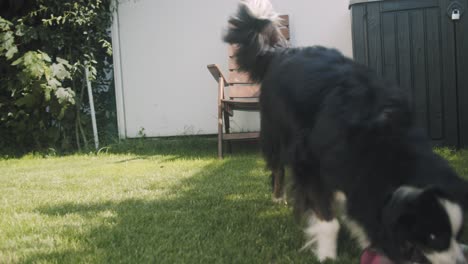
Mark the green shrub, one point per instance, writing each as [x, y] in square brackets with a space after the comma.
[45, 45]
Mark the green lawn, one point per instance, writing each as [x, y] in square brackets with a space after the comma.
[151, 201]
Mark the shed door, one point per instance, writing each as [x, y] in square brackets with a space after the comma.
[413, 42]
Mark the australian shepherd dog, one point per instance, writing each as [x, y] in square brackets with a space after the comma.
[352, 145]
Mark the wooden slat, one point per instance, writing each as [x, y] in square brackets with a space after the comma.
[232, 64]
[284, 20]
[388, 6]
[243, 105]
[216, 72]
[240, 136]
[389, 47]
[404, 52]
[244, 91]
[231, 50]
[419, 67]
[220, 111]
[247, 100]
[236, 77]
[374, 37]
[434, 73]
[461, 28]
[354, 3]
[359, 34]
[449, 79]
[285, 32]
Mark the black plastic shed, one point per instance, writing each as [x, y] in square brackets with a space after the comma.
[423, 45]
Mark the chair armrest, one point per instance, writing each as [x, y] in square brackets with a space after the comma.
[216, 73]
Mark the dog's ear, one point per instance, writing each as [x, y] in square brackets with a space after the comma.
[431, 192]
[398, 205]
[411, 213]
[402, 205]
[399, 219]
[407, 206]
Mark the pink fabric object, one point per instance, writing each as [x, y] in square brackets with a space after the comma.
[370, 256]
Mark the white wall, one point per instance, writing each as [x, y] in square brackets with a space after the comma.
[162, 47]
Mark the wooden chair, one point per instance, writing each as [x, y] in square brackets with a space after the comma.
[242, 95]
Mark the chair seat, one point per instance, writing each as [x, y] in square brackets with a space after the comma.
[242, 104]
[241, 136]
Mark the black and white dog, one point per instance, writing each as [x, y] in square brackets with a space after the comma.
[352, 145]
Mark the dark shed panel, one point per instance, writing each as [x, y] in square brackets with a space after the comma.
[416, 44]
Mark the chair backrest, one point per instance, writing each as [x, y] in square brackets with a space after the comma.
[241, 85]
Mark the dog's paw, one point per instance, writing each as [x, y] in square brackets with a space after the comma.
[279, 200]
[321, 238]
[321, 254]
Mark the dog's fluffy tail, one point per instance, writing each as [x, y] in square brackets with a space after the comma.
[255, 31]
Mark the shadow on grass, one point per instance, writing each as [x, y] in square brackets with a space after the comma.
[183, 147]
[223, 214]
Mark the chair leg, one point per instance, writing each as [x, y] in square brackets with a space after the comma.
[278, 183]
[220, 134]
[227, 127]
[220, 116]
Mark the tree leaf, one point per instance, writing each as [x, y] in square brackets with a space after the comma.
[59, 71]
[17, 62]
[11, 52]
[27, 100]
[47, 91]
[65, 95]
